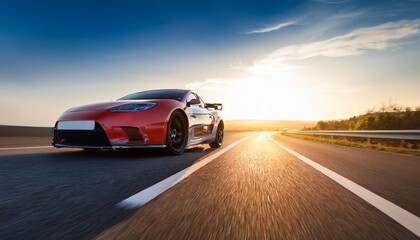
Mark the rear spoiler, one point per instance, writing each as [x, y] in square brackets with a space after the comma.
[215, 106]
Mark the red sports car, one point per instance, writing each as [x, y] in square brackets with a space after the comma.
[172, 119]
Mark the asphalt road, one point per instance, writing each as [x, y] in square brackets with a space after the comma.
[255, 190]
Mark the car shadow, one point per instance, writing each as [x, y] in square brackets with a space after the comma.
[132, 154]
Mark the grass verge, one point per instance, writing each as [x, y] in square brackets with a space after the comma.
[359, 144]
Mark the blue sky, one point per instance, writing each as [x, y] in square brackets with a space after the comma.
[307, 60]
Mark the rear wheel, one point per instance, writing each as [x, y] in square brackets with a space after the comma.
[217, 142]
[176, 134]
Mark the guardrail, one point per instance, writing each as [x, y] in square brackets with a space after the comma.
[380, 134]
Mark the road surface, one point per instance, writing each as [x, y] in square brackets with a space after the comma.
[252, 190]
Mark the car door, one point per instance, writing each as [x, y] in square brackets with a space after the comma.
[200, 118]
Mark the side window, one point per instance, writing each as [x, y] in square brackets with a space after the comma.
[195, 96]
[190, 96]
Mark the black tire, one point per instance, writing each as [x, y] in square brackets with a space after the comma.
[219, 136]
[176, 134]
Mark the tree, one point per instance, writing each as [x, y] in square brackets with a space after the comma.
[388, 117]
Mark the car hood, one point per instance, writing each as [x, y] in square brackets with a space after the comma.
[103, 105]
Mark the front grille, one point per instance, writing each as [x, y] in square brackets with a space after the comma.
[89, 138]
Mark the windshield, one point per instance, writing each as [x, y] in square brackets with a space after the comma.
[157, 94]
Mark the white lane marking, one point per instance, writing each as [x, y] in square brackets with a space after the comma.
[19, 148]
[403, 217]
[146, 195]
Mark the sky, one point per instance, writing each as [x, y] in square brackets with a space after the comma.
[288, 60]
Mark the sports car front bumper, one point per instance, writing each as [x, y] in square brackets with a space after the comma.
[90, 134]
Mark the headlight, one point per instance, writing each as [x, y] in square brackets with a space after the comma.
[133, 107]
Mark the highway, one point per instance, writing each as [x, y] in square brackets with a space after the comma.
[255, 189]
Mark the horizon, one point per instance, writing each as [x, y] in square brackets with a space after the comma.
[228, 121]
[302, 60]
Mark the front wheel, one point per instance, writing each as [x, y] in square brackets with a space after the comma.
[218, 140]
[176, 134]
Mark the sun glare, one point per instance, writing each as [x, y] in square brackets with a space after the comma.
[268, 96]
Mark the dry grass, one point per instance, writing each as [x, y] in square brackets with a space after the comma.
[359, 144]
[24, 141]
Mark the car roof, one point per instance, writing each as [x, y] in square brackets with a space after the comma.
[168, 89]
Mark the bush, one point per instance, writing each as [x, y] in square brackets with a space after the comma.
[391, 117]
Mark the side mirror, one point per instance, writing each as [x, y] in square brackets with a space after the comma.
[194, 101]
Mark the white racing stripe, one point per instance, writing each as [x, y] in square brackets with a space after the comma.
[22, 148]
[143, 197]
[403, 217]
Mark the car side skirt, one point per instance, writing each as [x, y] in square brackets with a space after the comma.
[114, 147]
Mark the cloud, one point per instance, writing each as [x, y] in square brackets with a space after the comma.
[348, 15]
[354, 43]
[210, 84]
[271, 28]
[276, 65]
